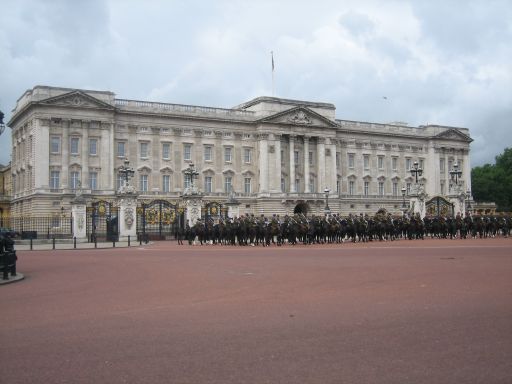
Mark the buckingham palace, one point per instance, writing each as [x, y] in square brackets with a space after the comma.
[273, 155]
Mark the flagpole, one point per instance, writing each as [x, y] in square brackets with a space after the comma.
[273, 84]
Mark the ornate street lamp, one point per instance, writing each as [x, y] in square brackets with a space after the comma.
[327, 209]
[404, 191]
[416, 171]
[455, 173]
[126, 171]
[468, 205]
[191, 173]
[2, 125]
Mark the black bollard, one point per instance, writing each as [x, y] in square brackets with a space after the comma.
[95, 242]
[114, 243]
[53, 242]
[74, 242]
[128, 240]
[31, 243]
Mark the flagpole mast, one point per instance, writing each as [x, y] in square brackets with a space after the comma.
[273, 87]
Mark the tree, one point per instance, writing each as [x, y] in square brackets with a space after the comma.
[494, 182]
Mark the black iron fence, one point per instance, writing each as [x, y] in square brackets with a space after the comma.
[41, 227]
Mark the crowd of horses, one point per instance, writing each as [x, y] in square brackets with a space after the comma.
[299, 229]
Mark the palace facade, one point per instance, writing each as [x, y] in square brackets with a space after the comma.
[276, 155]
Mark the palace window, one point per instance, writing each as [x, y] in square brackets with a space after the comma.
[74, 179]
[227, 154]
[310, 158]
[381, 188]
[247, 155]
[366, 162]
[297, 185]
[408, 188]
[351, 160]
[54, 179]
[408, 164]
[351, 187]
[394, 163]
[143, 183]
[312, 185]
[441, 164]
[121, 149]
[247, 185]
[74, 145]
[166, 183]
[338, 156]
[366, 188]
[186, 181]
[380, 161]
[144, 146]
[166, 151]
[55, 144]
[283, 185]
[119, 181]
[296, 157]
[227, 184]
[93, 180]
[395, 189]
[208, 150]
[208, 184]
[93, 147]
[187, 152]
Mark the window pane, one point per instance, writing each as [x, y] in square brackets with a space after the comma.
[55, 145]
[143, 150]
[120, 149]
[93, 180]
[247, 185]
[227, 184]
[208, 184]
[54, 179]
[166, 183]
[93, 147]
[143, 183]
[208, 153]
[351, 160]
[166, 151]
[227, 154]
[247, 155]
[74, 146]
[187, 152]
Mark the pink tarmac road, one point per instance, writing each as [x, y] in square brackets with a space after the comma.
[433, 311]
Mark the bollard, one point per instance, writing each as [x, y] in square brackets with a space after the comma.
[53, 242]
[128, 240]
[140, 240]
[30, 242]
[95, 242]
[113, 243]
[74, 242]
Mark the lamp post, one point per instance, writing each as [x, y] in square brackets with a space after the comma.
[126, 171]
[455, 174]
[327, 209]
[416, 171]
[468, 205]
[404, 207]
[191, 174]
[2, 125]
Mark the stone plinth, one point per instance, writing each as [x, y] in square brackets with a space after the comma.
[127, 202]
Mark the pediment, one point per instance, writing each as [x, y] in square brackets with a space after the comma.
[299, 116]
[76, 99]
[454, 134]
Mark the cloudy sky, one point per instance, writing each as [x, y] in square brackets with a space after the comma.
[438, 62]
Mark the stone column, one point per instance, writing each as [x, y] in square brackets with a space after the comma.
[78, 213]
[467, 170]
[84, 177]
[275, 175]
[306, 164]
[292, 165]
[333, 177]
[127, 213]
[432, 170]
[65, 153]
[42, 153]
[321, 165]
[263, 163]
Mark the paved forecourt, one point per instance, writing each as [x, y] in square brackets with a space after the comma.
[432, 311]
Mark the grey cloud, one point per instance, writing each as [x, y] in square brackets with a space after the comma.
[357, 23]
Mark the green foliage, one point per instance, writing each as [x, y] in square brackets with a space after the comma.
[494, 182]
